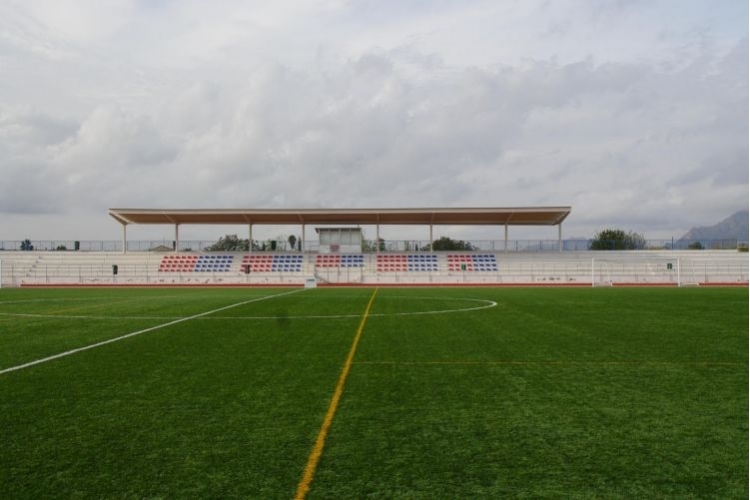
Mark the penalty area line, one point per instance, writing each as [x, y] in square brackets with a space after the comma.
[139, 332]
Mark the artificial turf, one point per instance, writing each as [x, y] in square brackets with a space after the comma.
[452, 393]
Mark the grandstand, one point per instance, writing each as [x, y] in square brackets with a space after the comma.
[579, 268]
[175, 268]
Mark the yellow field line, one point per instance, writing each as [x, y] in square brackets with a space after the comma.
[312, 462]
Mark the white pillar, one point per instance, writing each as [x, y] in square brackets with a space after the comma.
[176, 237]
[303, 238]
[377, 238]
[430, 237]
[124, 238]
[559, 237]
[505, 243]
[250, 238]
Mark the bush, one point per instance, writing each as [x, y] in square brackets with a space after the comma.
[229, 243]
[446, 243]
[617, 239]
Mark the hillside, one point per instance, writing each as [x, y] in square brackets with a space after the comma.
[733, 227]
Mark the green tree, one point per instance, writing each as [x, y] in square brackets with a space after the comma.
[369, 245]
[696, 245]
[617, 239]
[26, 245]
[229, 243]
[292, 242]
[444, 243]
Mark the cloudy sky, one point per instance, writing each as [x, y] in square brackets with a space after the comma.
[632, 112]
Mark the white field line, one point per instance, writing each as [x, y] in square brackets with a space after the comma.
[139, 332]
[486, 304]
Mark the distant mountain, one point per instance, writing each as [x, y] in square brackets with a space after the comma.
[733, 227]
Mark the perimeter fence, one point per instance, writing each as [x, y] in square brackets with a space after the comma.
[369, 246]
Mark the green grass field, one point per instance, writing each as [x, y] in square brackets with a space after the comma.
[450, 393]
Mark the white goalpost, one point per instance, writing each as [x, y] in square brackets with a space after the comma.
[600, 273]
[686, 275]
[641, 269]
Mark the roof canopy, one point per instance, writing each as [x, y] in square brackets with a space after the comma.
[523, 216]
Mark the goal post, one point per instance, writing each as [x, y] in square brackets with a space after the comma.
[600, 273]
[637, 269]
[686, 275]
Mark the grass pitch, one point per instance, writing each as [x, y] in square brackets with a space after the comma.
[451, 393]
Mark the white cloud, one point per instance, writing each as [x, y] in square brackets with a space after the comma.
[313, 104]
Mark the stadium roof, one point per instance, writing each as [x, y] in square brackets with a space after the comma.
[516, 216]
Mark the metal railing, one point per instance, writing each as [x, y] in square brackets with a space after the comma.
[369, 246]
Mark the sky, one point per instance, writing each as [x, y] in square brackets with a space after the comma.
[632, 112]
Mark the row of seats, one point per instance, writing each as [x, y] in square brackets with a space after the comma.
[178, 263]
[407, 263]
[196, 263]
[472, 262]
[470, 257]
[340, 260]
[272, 263]
[294, 262]
[429, 262]
[392, 263]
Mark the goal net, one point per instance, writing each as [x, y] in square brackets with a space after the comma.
[601, 274]
[634, 270]
[686, 275]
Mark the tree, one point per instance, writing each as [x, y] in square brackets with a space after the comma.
[617, 239]
[369, 245]
[637, 241]
[696, 245]
[445, 243]
[292, 241]
[26, 245]
[229, 243]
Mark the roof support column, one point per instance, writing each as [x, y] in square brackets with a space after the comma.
[176, 237]
[124, 238]
[303, 238]
[250, 238]
[377, 238]
[430, 237]
[505, 241]
[559, 237]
